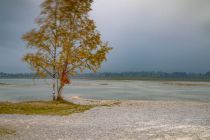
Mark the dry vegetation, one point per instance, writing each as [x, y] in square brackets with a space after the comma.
[4, 132]
[42, 108]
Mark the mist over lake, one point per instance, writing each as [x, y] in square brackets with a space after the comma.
[28, 89]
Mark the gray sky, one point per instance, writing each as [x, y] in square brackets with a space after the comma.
[147, 35]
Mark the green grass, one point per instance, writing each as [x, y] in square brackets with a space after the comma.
[4, 132]
[42, 108]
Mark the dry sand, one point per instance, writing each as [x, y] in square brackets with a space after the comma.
[123, 120]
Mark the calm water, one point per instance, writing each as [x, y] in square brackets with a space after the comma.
[27, 89]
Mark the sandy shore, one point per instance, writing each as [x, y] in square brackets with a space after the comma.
[124, 120]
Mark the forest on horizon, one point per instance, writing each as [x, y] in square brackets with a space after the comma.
[122, 76]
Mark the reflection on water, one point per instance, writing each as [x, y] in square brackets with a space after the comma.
[27, 89]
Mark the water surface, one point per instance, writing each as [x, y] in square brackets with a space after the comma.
[27, 89]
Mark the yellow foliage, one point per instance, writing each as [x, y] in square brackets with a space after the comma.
[66, 40]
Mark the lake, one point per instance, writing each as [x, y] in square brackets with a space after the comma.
[28, 89]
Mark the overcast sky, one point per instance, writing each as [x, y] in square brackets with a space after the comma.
[147, 35]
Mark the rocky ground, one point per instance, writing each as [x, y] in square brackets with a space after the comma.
[123, 120]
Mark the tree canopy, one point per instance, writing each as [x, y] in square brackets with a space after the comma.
[64, 42]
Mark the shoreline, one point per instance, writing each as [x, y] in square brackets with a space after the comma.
[86, 101]
[100, 102]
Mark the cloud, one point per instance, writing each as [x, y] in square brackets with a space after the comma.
[16, 18]
[166, 35]
[152, 35]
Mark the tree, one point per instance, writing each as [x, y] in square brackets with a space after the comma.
[64, 42]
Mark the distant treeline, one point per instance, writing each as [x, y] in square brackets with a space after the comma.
[18, 75]
[124, 76]
[148, 76]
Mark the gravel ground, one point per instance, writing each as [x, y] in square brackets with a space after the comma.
[129, 120]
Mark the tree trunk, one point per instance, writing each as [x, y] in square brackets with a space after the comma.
[54, 97]
[59, 94]
[54, 54]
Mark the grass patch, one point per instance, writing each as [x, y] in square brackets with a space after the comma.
[111, 104]
[42, 108]
[4, 132]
